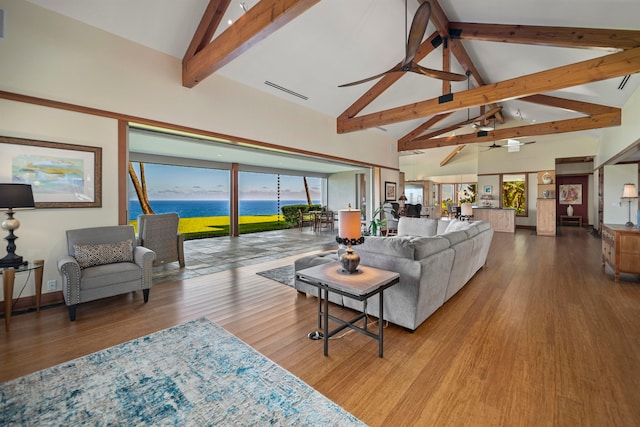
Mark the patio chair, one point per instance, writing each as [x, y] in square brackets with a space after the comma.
[326, 220]
[305, 220]
[159, 232]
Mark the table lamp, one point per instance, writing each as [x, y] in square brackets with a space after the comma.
[13, 197]
[350, 234]
[629, 192]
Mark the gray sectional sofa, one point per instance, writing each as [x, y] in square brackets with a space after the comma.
[435, 259]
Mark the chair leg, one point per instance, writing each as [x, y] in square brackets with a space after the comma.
[145, 293]
[72, 312]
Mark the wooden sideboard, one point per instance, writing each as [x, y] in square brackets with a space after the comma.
[621, 249]
[503, 220]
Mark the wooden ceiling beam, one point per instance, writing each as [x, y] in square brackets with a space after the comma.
[589, 71]
[588, 38]
[426, 47]
[455, 126]
[424, 127]
[597, 121]
[208, 25]
[451, 155]
[568, 104]
[441, 22]
[262, 20]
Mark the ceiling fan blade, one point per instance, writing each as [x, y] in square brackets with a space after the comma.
[416, 33]
[437, 74]
[494, 145]
[395, 69]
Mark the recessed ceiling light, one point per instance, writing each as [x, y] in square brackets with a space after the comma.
[229, 22]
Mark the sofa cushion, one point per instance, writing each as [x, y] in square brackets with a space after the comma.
[397, 246]
[472, 231]
[455, 237]
[425, 227]
[442, 226]
[426, 246]
[104, 253]
[457, 225]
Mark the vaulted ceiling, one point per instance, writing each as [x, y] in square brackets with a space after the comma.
[535, 67]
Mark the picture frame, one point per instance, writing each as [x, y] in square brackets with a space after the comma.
[389, 191]
[570, 194]
[61, 175]
[487, 189]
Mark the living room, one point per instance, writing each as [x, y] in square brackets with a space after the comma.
[66, 81]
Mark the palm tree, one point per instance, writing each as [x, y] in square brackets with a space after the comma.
[141, 188]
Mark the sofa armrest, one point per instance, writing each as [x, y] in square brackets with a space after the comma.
[69, 269]
[144, 258]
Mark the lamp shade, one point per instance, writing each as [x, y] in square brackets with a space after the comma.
[349, 224]
[629, 191]
[16, 196]
[466, 209]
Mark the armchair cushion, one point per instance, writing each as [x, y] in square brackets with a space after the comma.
[105, 253]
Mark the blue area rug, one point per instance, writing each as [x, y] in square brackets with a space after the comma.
[284, 275]
[195, 374]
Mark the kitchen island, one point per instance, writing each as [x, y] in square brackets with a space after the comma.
[503, 220]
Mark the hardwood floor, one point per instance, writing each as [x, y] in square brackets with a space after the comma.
[541, 336]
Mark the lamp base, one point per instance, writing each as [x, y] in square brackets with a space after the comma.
[11, 260]
[629, 224]
[350, 261]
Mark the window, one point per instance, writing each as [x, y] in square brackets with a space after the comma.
[514, 192]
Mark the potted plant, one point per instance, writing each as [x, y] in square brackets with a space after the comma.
[376, 223]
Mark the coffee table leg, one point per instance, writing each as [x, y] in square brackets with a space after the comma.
[326, 322]
[380, 328]
[319, 307]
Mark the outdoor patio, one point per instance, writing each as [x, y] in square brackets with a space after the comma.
[206, 256]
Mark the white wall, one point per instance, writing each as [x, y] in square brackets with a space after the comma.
[616, 139]
[42, 231]
[342, 190]
[616, 211]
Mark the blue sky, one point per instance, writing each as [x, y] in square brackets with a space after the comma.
[186, 183]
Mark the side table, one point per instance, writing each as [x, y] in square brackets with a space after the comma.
[8, 278]
[361, 286]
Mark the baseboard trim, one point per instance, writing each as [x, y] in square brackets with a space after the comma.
[29, 303]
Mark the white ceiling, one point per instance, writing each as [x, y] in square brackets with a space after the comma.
[339, 41]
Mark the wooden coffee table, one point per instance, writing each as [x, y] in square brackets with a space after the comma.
[361, 286]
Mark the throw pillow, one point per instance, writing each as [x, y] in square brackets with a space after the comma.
[105, 253]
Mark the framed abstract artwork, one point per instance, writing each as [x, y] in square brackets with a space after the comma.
[570, 194]
[61, 175]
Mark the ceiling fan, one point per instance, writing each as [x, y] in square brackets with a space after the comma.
[416, 34]
[512, 145]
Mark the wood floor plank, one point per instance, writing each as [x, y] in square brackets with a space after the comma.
[541, 336]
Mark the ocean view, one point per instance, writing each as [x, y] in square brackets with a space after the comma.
[200, 208]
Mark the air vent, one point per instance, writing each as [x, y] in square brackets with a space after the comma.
[2, 26]
[624, 81]
[284, 89]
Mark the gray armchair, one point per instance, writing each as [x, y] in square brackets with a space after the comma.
[103, 262]
[159, 232]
